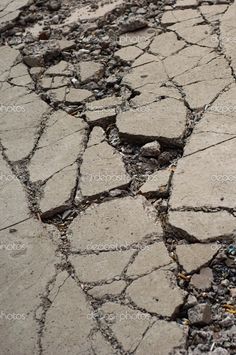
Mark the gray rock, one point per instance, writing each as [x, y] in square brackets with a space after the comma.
[203, 280]
[54, 5]
[200, 314]
[133, 23]
[152, 149]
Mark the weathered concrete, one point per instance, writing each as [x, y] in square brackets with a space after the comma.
[123, 321]
[155, 121]
[12, 195]
[104, 266]
[73, 333]
[157, 184]
[28, 265]
[98, 226]
[59, 146]
[102, 170]
[194, 256]
[199, 225]
[151, 257]
[162, 338]
[90, 71]
[147, 295]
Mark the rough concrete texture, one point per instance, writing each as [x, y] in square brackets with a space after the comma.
[193, 256]
[157, 184]
[146, 294]
[113, 225]
[155, 121]
[28, 266]
[117, 177]
[102, 169]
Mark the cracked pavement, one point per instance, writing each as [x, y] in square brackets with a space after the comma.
[117, 177]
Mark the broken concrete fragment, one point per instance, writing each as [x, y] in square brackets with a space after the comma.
[157, 184]
[60, 69]
[76, 96]
[21, 113]
[211, 187]
[140, 37]
[149, 258]
[217, 124]
[54, 288]
[59, 146]
[90, 71]
[12, 195]
[66, 45]
[67, 336]
[128, 53]
[203, 83]
[97, 136]
[150, 293]
[151, 73]
[9, 12]
[103, 104]
[127, 324]
[199, 226]
[213, 13]
[58, 190]
[153, 92]
[145, 59]
[98, 226]
[186, 4]
[187, 59]
[166, 44]
[102, 169]
[163, 121]
[152, 149]
[200, 314]
[162, 338]
[228, 34]
[19, 75]
[104, 266]
[171, 17]
[55, 82]
[101, 117]
[58, 95]
[203, 280]
[100, 345]
[58, 126]
[114, 288]
[193, 256]
[27, 255]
